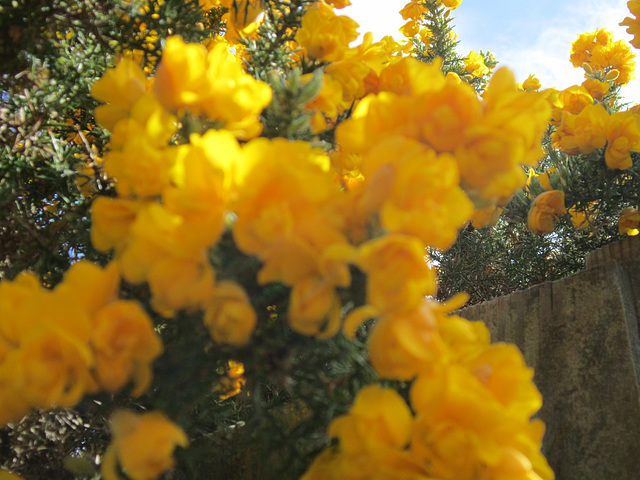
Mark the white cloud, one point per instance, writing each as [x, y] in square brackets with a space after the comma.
[547, 54]
[541, 48]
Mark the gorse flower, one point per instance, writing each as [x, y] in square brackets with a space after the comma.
[142, 445]
[544, 210]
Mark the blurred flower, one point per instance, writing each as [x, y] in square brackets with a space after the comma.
[142, 445]
[544, 210]
[474, 65]
[229, 316]
[629, 221]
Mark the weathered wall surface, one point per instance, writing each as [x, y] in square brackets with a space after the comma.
[581, 335]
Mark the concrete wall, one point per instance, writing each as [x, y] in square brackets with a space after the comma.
[581, 335]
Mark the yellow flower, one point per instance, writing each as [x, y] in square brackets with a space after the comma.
[401, 345]
[452, 4]
[99, 286]
[181, 80]
[139, 169]
[211, 83]
[124, 344]
[410, 29]
[229, 316]
[544, 210]
[142, 444]
[487, 216]
[623, 137]
[120, 87]
[412, 10]
[314, 308]
[378, 418]
[474, 65]
[629, 222]
[416, 191]
[465, 421]
[50, 368]
[398, 275]
[111, 222]
[596, 88]
[231, 383]
[531, 83]
[632, 24]
[325, 35]
[575, 98]
[178, 283]
[582, 133]
[243, 19]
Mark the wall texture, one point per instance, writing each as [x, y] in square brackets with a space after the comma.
[581, 335]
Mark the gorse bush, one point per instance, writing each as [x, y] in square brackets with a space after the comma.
[234, 240]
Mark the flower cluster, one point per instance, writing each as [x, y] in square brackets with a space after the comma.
[469, 412]
[142, 445]
[56, 346]
[419, 153]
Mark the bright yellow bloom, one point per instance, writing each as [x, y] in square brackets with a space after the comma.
[50, 368]
[178, 283]
[120, 87]
[596, 88]
[139, 169]
[412, 10]
[452, 4]
[508, 136]
[378, 418]
[398, 275]
[487, 216]
[531, 83]
[474, 65]
[415, 190]
[629, 221]
[372, 438]
[142, 444]
[284, 208]
[230, 384]
[211, 83]
[632, 24]
[243, 19]
[315, 307]
[229, 316]
[111, 222]
[125, 344]
[601, 53]
[410, 29]
[582, 133]
[470, 419]
[99, 286]
[544, 210]
[623, 137]
[402, 345]
[575, 98]
[325, 35]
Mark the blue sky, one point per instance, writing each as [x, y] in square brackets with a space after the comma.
[527, 36]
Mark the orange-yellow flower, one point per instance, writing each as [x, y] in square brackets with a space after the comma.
[623, 137]
[545, 210]
[629, 221]
[398, 275]
[325, 35]
[142, 444]
[474, 65]
[124, 344]
[229, 316]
